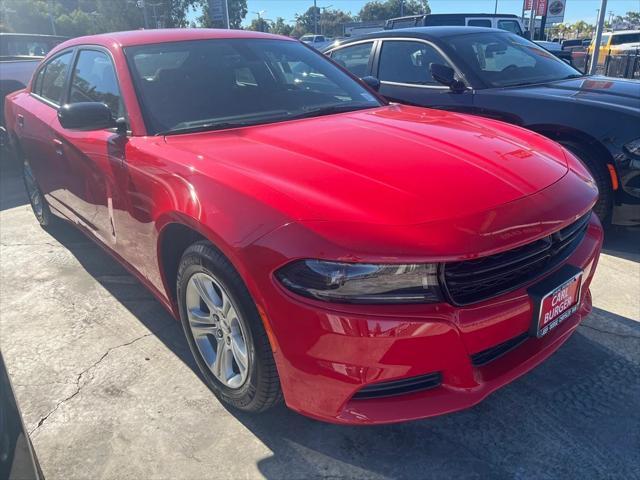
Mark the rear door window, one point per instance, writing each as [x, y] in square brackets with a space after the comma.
[54, 77]
[354, 58]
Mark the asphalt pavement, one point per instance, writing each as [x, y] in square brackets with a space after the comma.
[108, 389]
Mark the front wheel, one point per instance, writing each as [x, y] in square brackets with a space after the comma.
[600, 174]
[224, 331]
[38, 203]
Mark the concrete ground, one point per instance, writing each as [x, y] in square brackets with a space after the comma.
[108, 389]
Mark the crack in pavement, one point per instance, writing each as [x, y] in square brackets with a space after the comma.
[621, 335]
[79, 379]
[50, 244]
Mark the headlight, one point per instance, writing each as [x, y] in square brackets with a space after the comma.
[633, 147]
[362, 282]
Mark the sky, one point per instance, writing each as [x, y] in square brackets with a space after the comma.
[576, 9]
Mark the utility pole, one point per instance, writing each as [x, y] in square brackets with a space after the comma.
[323, 12]
[141, 5]
[596, 46]
[315, 17]
[53, 24]
[532, 20]
[495, 10]
[402, 8]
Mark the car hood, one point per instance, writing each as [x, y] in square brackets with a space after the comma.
[595, 90]
[389, 165]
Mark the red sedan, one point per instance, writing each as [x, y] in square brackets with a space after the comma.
[369, 263]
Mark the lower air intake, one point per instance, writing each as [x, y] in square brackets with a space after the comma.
[399, 387]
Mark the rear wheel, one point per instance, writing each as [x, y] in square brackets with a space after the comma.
[601, 176]
[38, 203]
[225, 331]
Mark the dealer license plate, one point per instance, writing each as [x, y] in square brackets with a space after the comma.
[558, 305]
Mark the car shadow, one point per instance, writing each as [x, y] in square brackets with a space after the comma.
[573, 416]
[126, 289]
[12, 192]
[623, 242]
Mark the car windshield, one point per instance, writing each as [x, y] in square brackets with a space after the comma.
[224, 83]
[505, 59]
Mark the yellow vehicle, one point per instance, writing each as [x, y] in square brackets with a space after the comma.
[615, 42]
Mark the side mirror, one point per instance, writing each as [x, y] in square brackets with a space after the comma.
[527, 35]
[86, 116]
[372, 82]
[445, 75]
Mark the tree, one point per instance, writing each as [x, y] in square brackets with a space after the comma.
[329, 21]
[237, 12]
[260, 25]
[83, 17]
[383, 10]
[280, 27]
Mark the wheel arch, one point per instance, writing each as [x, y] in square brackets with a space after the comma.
[176, 234]
[563, 133]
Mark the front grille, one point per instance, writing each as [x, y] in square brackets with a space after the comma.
[490, 354]
[399, 387]
[475, 280]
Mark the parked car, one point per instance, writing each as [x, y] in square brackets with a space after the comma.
[317, 41]
[575, 44]
[18, 460]
[369, 262]
[500, 75]
[556, 49]
[20, 54]
[614, 42]
[508, 22]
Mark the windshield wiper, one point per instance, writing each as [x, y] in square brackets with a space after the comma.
[331, 109]
[204, 128]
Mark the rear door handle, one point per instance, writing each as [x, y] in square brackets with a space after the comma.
[20, 120]
[58, 147]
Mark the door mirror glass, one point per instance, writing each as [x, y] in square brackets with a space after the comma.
[86, 116]
[372, 82]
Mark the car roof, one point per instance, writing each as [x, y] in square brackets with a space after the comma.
[622, 32]
[146, 37]
[427, 33]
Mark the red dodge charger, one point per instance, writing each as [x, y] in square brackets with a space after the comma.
[365, 262]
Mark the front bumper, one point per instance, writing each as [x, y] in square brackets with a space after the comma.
[327, 353]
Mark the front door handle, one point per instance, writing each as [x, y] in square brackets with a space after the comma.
[58, 147]
[20, 120]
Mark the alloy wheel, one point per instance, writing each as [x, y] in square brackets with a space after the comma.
[218, 330]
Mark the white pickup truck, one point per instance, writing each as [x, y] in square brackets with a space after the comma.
[20, 54]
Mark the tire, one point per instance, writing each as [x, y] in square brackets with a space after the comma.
[205, 272]
[600, 174]
[38, 203]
